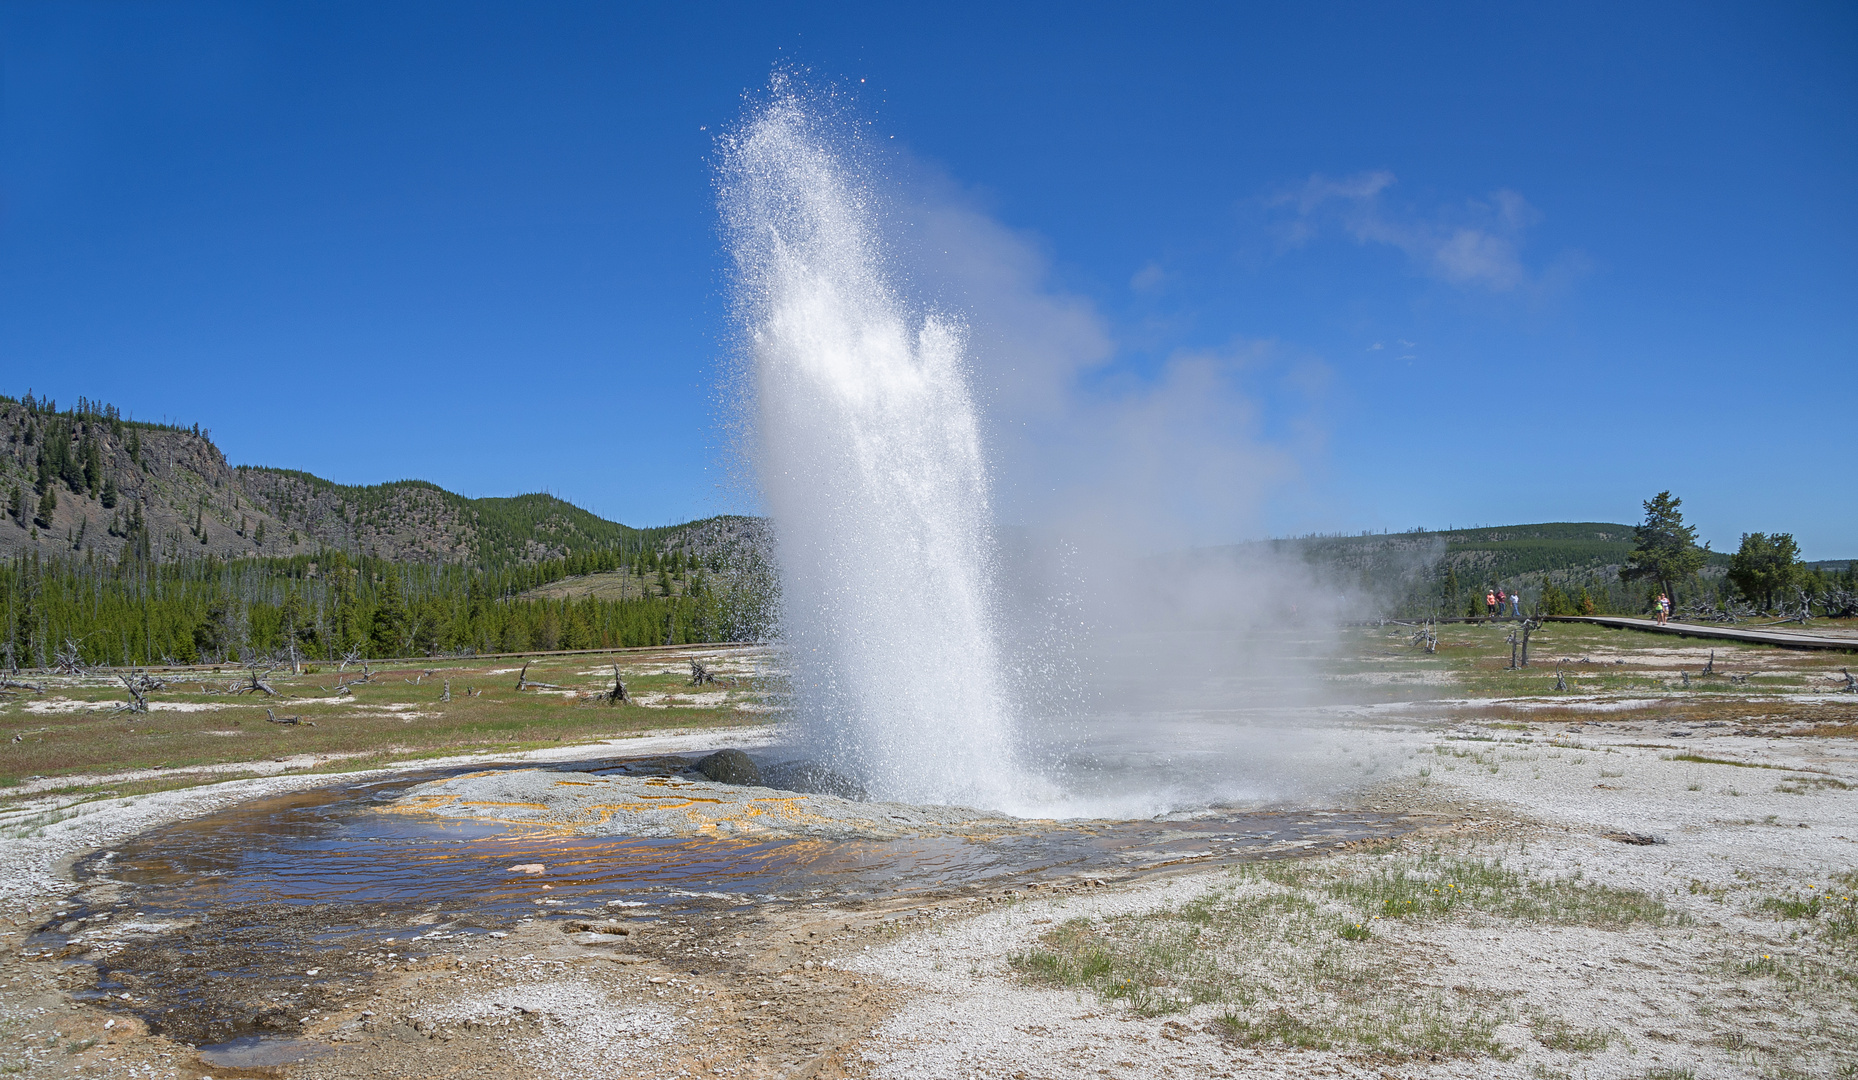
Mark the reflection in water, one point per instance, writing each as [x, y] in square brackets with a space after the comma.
[231, 926]
[330, 846]
[260, 1051]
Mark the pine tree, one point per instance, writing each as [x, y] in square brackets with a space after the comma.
[387, 629]
[48, 504]
[16, 506]
[109, 492]
[213, 634]
[1666, 551]
[1765, 565]
[258, 534]
[135, 447]
[295, 620]
[93, 465]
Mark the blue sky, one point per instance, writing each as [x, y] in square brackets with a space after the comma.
[1451, 264]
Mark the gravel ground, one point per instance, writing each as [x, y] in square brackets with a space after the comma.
[1693, 997]
[923, 988]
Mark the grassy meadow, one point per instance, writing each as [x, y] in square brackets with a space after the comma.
[73, 729]
[1473, 662]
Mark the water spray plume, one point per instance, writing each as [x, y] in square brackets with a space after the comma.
[865, 439]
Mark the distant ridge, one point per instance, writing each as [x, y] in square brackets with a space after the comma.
[1424, 570]
[1488, 554]
[169, 492]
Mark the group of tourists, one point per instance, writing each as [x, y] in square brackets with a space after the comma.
[1495, 599]
[1662, 608]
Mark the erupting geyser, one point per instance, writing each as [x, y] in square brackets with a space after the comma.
[868, 448]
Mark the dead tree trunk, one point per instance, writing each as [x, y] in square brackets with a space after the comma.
[700, 675]
[447, 695]
[139, 686]
[618, 695]
[138, 700]
[67, 659]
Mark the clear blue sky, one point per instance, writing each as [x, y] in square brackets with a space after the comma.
[1467, 264]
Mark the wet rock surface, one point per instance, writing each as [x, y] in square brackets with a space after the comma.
[814, 778]
[675, 805]
[730, 767]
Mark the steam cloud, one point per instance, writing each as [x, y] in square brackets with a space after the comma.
[1046, 632]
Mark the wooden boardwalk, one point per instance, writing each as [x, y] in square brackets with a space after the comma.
[1726, 633]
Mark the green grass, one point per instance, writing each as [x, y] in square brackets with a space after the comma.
[1832, 909]
[1702, 759]
[1248, 946]
[1475, 660]
[1806, 785]
[1436, 885]
[388, 719]
[1556, 1033]
[1282, 933]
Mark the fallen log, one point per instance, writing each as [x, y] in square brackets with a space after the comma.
[523, 682]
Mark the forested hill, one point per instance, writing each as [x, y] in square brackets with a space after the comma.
[1425, 570]
[1489, 554]
[134, 543]
[86, 480]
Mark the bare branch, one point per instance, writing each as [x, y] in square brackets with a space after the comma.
[256, 683]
